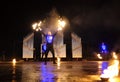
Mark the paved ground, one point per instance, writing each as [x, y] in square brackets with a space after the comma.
[66, 71]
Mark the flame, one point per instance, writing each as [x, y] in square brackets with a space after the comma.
[14, 61]
[39, 24]
[61, 24]
[114, 55]
[37, 29]
[112, 70]
[58, 62]
[99, 56]
[34, 26]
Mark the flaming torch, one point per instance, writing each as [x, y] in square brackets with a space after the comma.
[61, 24]
[37, 26]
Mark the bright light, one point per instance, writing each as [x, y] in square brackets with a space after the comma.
[37, 26]
[58, 59]
[37, 29]
[99, 56]
[103, 48]
[58, 62]
[14, 61]
[34, 26]
[114, 55]
[61, 24]
[111, 71]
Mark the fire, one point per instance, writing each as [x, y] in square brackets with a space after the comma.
[99, 56]
[14, 61]
[37, 26]
[61, 24]
[34, 26]
[58, 62]
[114, 55]
[112, 70]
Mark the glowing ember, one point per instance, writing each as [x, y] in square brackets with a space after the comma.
[99, 56]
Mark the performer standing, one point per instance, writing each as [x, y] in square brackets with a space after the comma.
[44, 48]
[49, 44]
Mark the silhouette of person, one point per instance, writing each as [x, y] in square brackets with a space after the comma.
[49, 44]
[44, 47]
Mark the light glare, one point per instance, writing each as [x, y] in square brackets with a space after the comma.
[34, 26]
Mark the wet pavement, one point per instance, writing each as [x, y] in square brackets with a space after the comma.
[65, 71]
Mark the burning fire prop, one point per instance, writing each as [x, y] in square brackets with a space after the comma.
[112, 70]
[60, 25]
[36, 26]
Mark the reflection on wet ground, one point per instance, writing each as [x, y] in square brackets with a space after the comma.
[67, 71]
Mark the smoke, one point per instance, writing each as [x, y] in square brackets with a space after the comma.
[50, 23]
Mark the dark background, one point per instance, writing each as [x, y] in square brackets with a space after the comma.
[95, 21]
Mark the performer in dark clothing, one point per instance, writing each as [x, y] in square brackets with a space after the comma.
[49, 43]
[44, 48]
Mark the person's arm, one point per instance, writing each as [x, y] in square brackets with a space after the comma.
[55, 33]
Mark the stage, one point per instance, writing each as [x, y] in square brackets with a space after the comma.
[64, 71]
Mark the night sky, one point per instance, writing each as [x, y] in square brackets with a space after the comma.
[95, 21]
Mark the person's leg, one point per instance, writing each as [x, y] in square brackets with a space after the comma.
[42, 56]
[43, 53]
[53, 54]
[46, 54]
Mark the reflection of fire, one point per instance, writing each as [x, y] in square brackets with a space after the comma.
[112, 70]
[58, 62]
[99, 56]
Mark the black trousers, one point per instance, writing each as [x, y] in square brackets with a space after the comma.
[43, 53]
[50, 48]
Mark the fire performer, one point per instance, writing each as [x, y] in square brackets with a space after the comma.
[49, 37]
[49, 44]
